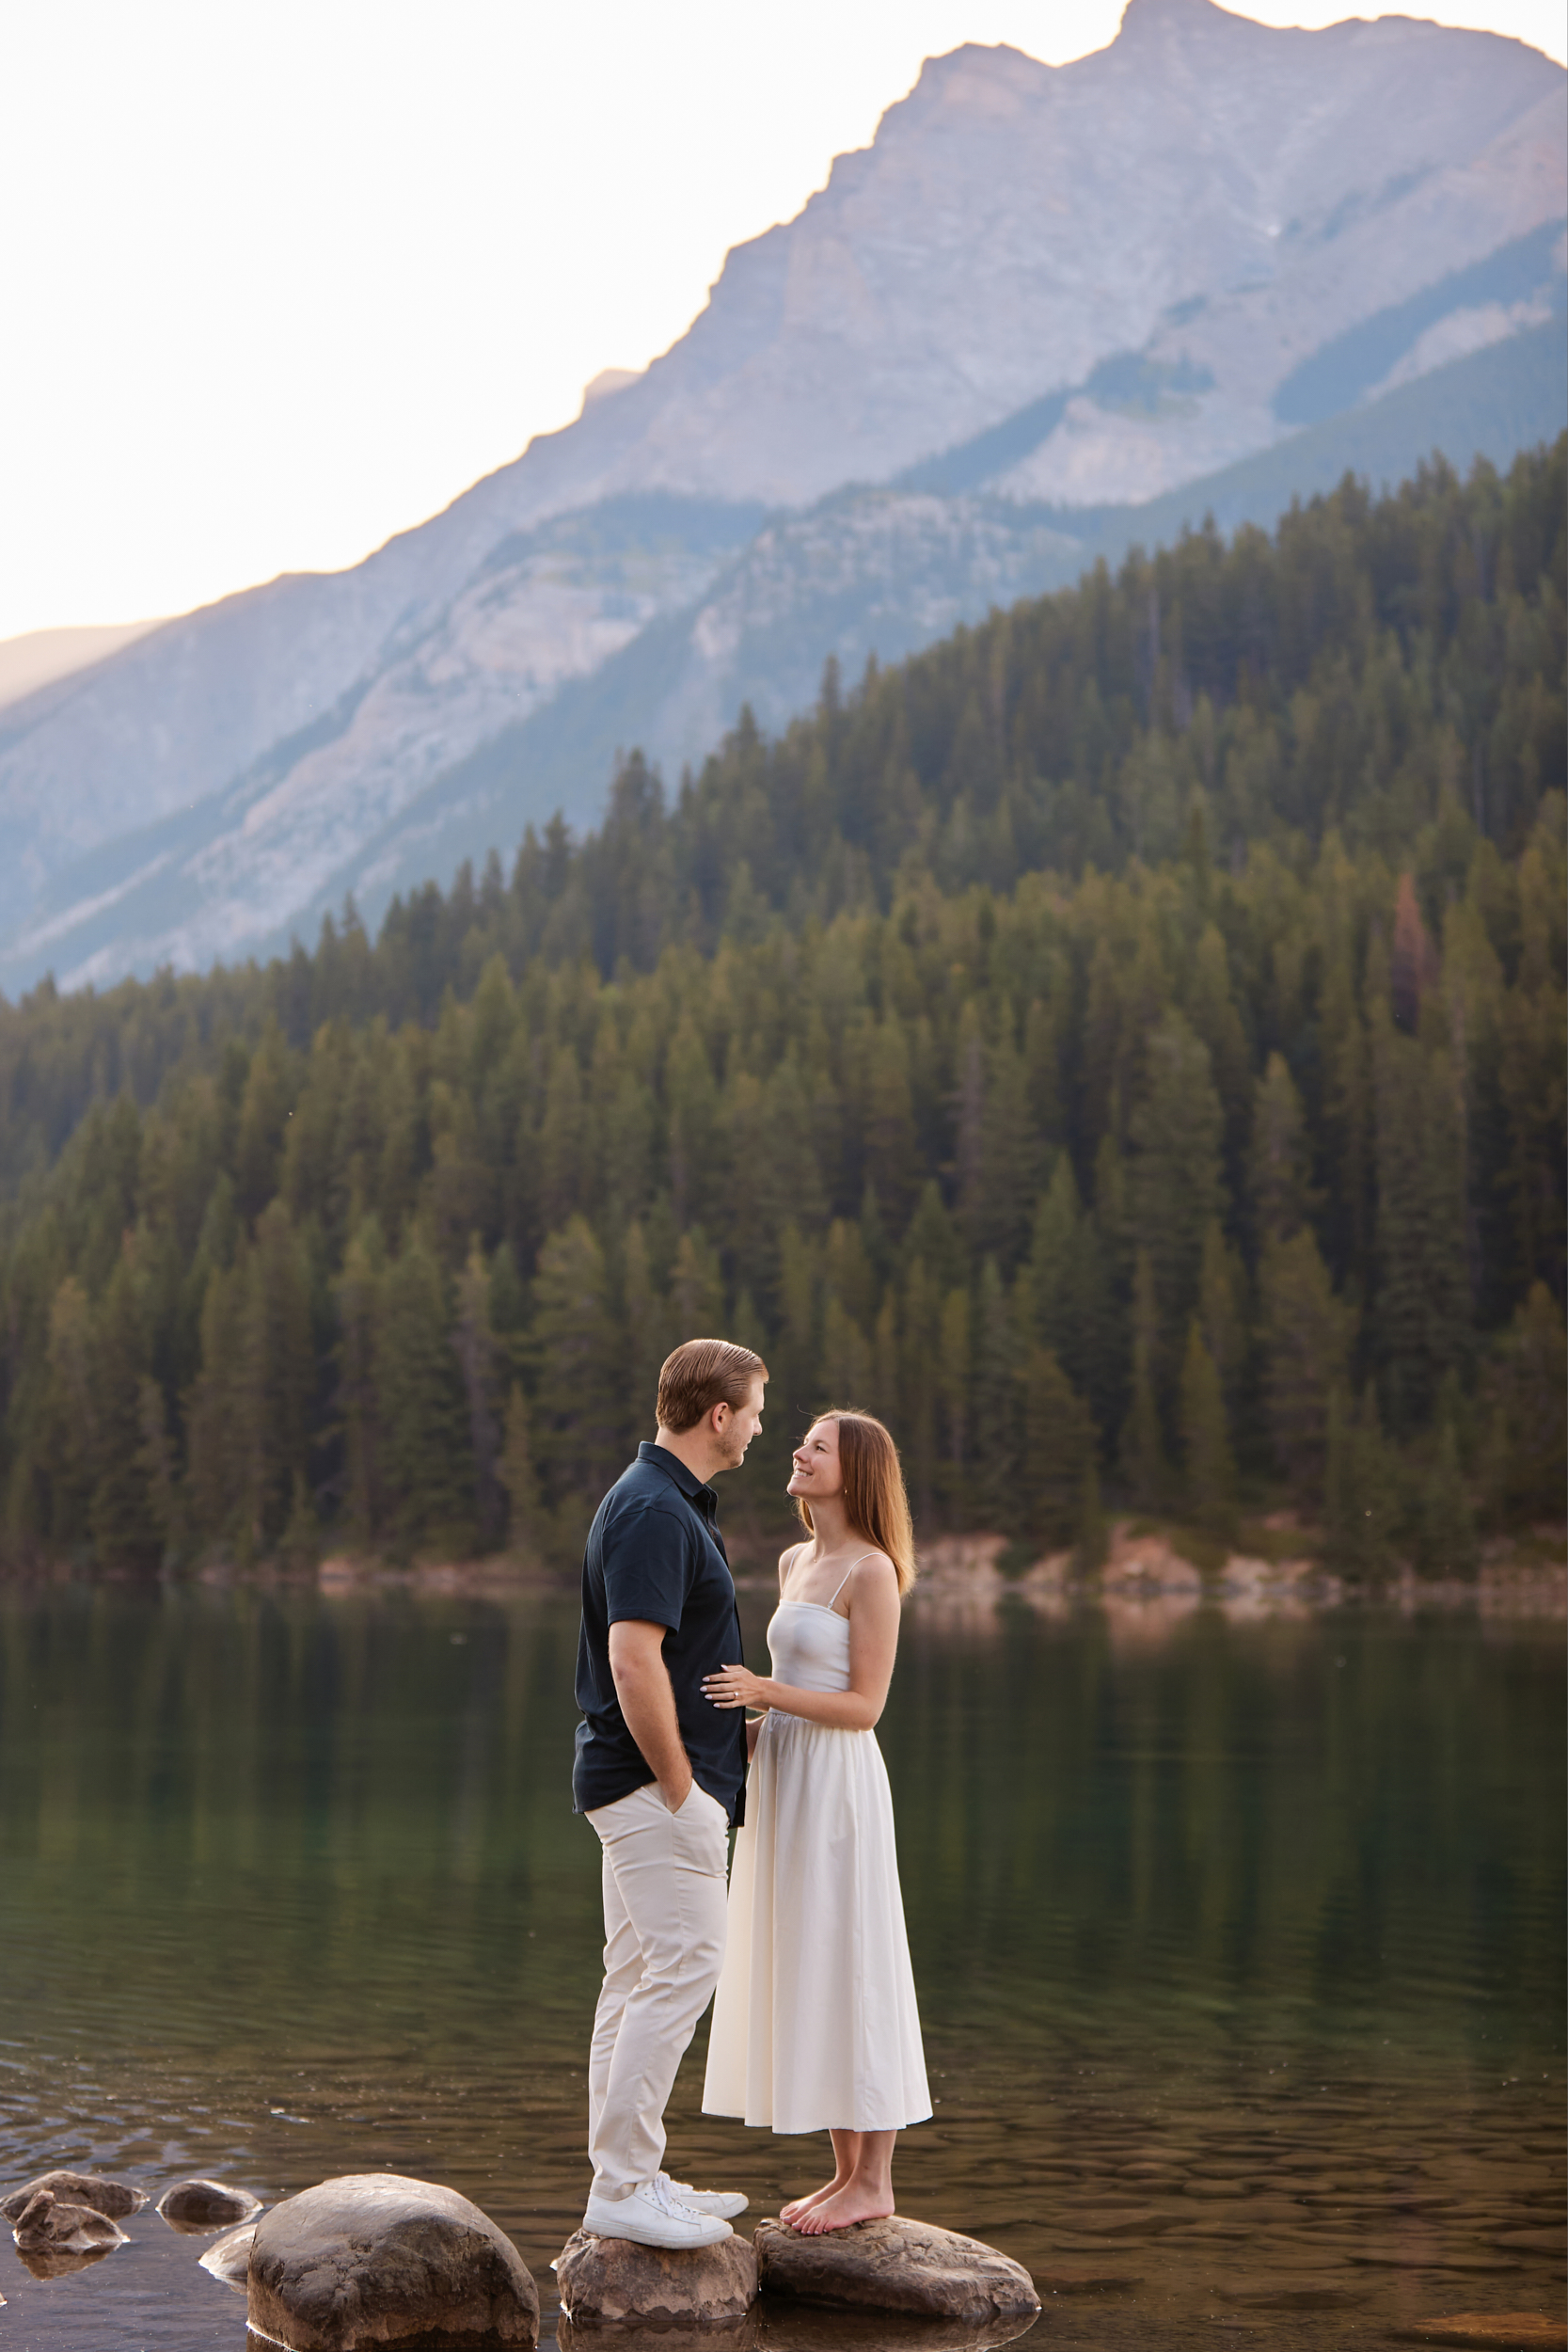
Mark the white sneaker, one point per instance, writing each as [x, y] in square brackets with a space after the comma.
[652, 2217]
[726, 2202]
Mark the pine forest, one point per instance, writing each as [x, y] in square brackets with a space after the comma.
[1124, 1046]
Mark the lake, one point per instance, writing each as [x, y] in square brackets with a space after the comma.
[1240, 1946]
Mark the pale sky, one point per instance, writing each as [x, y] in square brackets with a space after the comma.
[283, 276]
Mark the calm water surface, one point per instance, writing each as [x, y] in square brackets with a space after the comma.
[1240, 1947]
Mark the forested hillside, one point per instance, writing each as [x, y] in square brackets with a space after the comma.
[1124, 1045]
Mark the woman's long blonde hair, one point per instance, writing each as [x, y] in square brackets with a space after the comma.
[875, 1503]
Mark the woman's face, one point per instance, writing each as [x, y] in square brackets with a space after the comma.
[817, 1471]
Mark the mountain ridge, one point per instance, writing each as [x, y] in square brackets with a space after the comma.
[1191, 206]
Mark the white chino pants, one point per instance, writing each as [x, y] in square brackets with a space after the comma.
[663, 1948]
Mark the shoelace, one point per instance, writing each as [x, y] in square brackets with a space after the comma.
[665, 2198]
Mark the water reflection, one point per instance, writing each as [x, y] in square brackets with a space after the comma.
[795, 2328]
[1239, 1943]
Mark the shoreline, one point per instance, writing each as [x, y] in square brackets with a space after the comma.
[1146, 1577]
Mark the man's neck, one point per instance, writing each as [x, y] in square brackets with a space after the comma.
[693, 1447]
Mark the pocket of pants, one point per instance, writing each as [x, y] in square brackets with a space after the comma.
[704, 1828]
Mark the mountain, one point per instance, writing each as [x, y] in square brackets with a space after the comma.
[1042, 304]
[43, 655]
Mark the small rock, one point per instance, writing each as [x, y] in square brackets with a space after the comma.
[229, 2257]
[894, 2265]
[199, 2205]
[114, 2198]
[375, 2259]
[608, 2280]
[1489, 2332]
[47, 2225]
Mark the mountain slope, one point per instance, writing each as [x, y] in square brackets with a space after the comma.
[1080, 286]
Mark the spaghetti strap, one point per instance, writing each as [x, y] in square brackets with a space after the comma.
[849, 1572]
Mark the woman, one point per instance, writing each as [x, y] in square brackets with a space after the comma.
[815, 2023]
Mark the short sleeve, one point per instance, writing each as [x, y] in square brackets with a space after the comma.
[646, 1558]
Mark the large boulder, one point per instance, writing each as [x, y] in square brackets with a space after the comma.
[199, 2205]
[894, 2265]
[373, 2259]
[114, 2198]
[606, 2281]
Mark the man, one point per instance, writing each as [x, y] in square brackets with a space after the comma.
[661, 1773]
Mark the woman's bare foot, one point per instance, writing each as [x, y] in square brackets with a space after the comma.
[797, 2206]
[842, 2209]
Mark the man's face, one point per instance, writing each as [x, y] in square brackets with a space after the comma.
[734, 1429]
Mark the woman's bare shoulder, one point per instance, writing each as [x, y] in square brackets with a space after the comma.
[873, 1572]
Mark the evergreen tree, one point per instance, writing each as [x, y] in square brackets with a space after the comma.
[1306, 1335]
[473, 1340]
[1281, 1196]
[1423, 1292]
[1176, 1183]
[355, 1398]
[426, 1466]
[124, 1527]
[1143, 1448]
[1358, 1489]
[576, 1416]
[1060, 1449]
[1527, 1391]
[525, 1531]
[1207, 1461]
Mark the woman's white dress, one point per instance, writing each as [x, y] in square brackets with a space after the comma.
[814, 2022]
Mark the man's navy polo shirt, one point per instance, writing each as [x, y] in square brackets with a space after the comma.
[655, 1553]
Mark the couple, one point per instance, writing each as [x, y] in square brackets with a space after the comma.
[814, 2025]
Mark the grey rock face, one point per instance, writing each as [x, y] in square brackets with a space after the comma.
[375, 2259]
[895, 2266]
[1080, 285]
[114, 2198]
[612, 2281]
[201, 2205]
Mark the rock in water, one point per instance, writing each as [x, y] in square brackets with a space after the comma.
[375, 2259]
[229, 2257]
[47, 2225]
[206, 2205]
[114, 2198]
[894, 2265]
[605, 2280]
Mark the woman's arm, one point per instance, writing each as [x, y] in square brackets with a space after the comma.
[873, 1646]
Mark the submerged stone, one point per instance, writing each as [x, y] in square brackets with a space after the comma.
[894, 2265]
[612, 2281]
[372, 2258]
[200, 2206]
[114, 2198]
[229, 2257]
